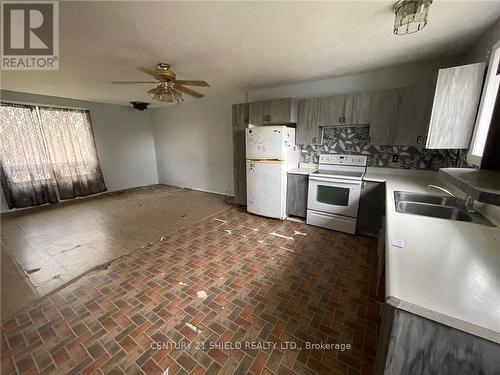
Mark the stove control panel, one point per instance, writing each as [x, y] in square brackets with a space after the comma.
[335, 159]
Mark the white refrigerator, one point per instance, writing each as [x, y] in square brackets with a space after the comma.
[270, 153]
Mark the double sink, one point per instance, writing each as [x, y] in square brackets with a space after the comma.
[437, 206]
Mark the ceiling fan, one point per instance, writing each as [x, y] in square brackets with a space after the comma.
[169, 88]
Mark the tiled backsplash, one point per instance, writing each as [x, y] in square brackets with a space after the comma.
[354, 140]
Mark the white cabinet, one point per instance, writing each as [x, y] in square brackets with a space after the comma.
[455, 106]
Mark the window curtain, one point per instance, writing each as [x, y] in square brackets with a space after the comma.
[72, 152]
[47, 154]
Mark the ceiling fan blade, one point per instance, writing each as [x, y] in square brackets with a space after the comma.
[147, 71]
[192, 83]
[188, 91]
[127, 82]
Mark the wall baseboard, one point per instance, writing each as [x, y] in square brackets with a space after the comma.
[74, 200]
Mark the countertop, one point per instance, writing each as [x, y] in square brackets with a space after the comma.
[447, 271]
[301, 170]
[304, 168]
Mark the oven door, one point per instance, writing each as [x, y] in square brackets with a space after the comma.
[336, 196]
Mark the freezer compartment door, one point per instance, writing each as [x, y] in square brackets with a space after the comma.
[266, 193]
[265, 142]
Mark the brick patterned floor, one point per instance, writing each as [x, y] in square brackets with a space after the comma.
[144, 313]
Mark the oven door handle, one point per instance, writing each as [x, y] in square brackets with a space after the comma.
[335, 180]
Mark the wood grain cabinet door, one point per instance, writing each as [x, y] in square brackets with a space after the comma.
[296, 197]
[283, 110]
[274, 111]
[414, 112]
[240, 122]
[332, 110]
[307, 132]
[358, 108]
[256, 112]
[455, 106]
[383, 116]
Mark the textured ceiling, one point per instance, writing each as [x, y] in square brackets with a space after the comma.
[239, 45]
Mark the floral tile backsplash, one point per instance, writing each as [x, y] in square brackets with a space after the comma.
[355, 140]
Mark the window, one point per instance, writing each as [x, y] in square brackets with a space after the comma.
[47, 154]
[486, 107]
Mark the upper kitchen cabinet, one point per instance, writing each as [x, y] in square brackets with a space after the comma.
[358, 108]
[383, 116]
[414, 111]
[350, 109]
[275, 111]
[308, 131]
[440, 113]
[456, 101]
[332, 110]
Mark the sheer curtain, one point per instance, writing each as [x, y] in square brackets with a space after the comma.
[47, 154]
[72, 152]
[26, 174]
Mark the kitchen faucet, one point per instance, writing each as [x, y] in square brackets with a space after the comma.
[468, 201]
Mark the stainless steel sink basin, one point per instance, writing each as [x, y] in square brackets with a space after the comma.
[426, 198]
[443, 212]
[437, 206]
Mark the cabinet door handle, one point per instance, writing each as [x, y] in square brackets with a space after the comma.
[267, 118]
[419, 138]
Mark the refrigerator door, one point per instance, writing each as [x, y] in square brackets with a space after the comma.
[266, 194]
[265, 142]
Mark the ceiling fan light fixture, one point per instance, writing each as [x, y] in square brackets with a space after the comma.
[165, 93]
[411, 16]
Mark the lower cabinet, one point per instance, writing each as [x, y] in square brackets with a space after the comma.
[296, 195]
[371, 208]
[412, 345]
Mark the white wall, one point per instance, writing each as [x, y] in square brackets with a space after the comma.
[480, 51]
[387, 78]
[194, 143]
[123, 136]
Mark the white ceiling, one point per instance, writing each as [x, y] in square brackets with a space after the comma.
[239, 45]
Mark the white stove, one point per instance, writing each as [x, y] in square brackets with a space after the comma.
[334, 192]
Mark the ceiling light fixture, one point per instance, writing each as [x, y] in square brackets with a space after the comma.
[411, 16]
[165, 92]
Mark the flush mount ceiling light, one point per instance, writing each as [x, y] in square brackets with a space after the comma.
[411, 16]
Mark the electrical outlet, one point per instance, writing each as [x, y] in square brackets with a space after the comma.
[395, 158]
